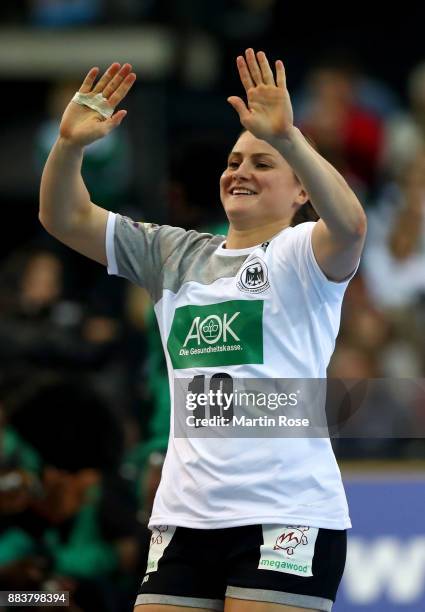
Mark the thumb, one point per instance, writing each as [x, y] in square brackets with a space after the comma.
[239, 106]
[116, 119]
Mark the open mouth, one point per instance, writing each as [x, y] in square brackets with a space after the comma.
[239, 191]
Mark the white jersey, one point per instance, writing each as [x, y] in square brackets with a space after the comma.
[265, 312]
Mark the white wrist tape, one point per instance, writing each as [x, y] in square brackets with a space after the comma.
[97, 102]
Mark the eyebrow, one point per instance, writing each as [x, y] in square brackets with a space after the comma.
[254, 155]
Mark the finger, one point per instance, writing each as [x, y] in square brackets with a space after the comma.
[245, 77]
[266, 71]
[280, 75]
[108, 76]
[239, 106]
[253, 67]
[116, 81]
[87, 84]
[117, 117]
[122, 90]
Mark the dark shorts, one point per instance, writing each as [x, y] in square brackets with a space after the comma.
[292, 565]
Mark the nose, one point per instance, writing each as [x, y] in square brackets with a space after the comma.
[242, 171]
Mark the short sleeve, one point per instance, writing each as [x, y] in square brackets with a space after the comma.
[152, 256]
[138, 251]
[300, 253]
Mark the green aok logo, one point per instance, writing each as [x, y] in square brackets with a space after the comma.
[227, 333]
[212, 329]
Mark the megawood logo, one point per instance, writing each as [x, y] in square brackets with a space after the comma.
[289, 549]
[225, 333]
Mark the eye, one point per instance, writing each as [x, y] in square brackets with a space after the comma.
[262, 165]
[232, 164]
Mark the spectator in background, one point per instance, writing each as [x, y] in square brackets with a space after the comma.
[78, 530]
[38, 323]
[373, 418]
[405, 132]
[44, 325]
[20, 467]
[364, 329]
[394, 262]
[346, 133]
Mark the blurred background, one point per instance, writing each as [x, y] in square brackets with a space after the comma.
[84, 403]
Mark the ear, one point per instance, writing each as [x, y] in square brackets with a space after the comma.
[302, 197]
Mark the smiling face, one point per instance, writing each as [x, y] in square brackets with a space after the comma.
[258, 187]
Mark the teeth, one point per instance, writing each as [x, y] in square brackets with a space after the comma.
[242, 192]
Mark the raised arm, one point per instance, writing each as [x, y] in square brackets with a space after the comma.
[66, 211]
[339, 235]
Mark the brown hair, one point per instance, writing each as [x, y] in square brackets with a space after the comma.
[305, 213]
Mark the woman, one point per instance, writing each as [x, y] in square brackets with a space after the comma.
[245, 526]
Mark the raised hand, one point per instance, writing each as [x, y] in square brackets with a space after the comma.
[268, 114]
[82, 125]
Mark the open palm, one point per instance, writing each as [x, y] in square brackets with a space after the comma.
[269, 112]
[82, 125]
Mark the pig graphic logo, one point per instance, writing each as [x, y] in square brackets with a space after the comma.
[293, 536]
[157, 534]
